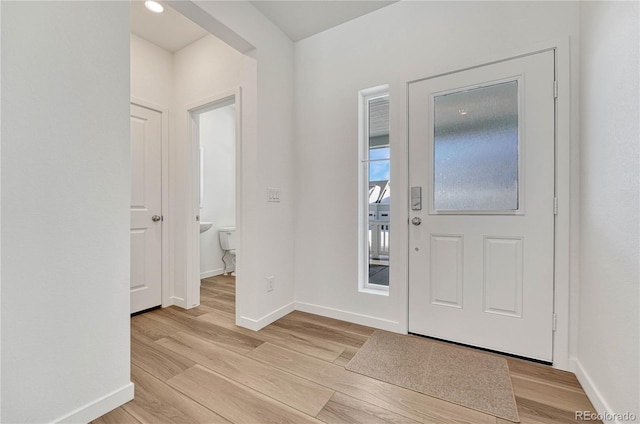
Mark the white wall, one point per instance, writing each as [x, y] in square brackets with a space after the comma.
[393, 45]
[266, 244]
[195, 74]
[218, 141]
[608, 350]
[151, 72]
[65, 194]
[203, 71]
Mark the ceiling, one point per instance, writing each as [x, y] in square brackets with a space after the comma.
[298, 19]
[169, 30]
[303, 18]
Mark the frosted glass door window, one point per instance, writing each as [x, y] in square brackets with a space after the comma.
[476, 149]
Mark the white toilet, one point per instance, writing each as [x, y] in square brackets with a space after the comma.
[227, 237]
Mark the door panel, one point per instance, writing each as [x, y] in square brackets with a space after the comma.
[481, 260]
[146, 189]
[446, 270]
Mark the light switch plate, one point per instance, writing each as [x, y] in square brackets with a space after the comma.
[273, 195]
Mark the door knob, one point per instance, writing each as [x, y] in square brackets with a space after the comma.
[416, 220]
[156, 218]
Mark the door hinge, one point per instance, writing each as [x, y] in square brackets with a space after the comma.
[554, 325]
[555, 206]
[555, 89]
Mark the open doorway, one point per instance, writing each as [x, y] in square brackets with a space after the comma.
[214, 132]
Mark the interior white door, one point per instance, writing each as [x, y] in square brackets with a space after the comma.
[146, 208]
[482, 206]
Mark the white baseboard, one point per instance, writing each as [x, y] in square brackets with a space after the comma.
[100, 406]
[355, 318]
[258, 324]
[178, 301]
[214, 272]
[594, 395]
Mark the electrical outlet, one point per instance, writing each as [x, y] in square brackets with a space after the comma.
[270, 283]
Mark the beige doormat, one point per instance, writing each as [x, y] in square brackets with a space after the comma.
[462, 376]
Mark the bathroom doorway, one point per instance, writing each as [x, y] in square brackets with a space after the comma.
[215, 131]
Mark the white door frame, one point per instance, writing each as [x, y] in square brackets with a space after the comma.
[566, 171]
[193, 230]
[166, 219]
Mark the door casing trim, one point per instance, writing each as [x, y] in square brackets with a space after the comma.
[192, 234]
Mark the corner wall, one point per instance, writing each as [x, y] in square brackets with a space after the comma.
[266, 230]
[203, 70]
[608, 350]
[151, 72]
[196, 73]
[65, 219]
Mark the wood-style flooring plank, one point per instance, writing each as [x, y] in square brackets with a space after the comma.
[220, 305]
[402, 401]
[343, 409]
[155, 359]
[321, 332]
[550, 395]
[210, 294]
[532, 412]
[213, 291]
[346, 356]
[157, 403]
[301, 394]
[194, 312]
[233, 401]
[220, 300]
[234, 341]
[543, 373]
[309, 345]
[360, 329]
[116, 416]
[333, 323]
[228, 321]
[228, 281]
[147, 325]
[206, 296]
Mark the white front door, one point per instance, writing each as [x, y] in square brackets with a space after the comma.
[146, 208]
[482, 206]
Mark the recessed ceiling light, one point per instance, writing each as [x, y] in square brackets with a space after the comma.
[462, 111]
[154, 6]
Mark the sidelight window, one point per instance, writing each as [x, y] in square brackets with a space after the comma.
[375, 190]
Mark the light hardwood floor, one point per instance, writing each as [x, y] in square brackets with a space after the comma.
[196, 366]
